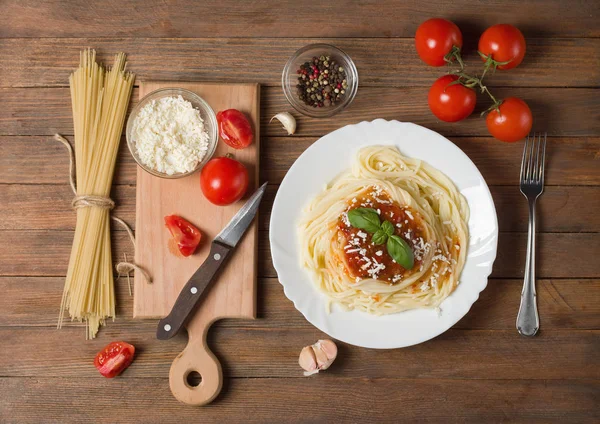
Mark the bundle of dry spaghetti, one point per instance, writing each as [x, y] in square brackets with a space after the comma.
[99, 100]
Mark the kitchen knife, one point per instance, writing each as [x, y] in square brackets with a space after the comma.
[221, 249]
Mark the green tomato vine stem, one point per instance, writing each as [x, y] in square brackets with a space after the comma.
[472, 81]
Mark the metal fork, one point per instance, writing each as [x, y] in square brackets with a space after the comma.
[532, 186]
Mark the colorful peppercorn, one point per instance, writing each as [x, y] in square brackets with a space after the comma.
[321, 82]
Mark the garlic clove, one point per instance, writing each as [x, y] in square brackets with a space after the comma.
[318, 356]
[322, 361]
[329, 348]
[287, 120]
[307, 360]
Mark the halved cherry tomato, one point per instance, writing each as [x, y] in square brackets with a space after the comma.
[223, 180]
[114, 358]
[451, 103]
[512, 122]
[185, 234]
[434, 40]
[235, 129]
[503, 43]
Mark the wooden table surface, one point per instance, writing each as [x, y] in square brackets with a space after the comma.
[480, 370]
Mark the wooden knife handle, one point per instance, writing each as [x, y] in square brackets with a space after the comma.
[192, 292]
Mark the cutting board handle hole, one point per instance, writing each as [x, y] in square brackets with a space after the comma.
[193, 379]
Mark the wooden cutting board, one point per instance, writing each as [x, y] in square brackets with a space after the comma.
[233, 295]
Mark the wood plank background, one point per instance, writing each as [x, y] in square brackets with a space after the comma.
[479, 371]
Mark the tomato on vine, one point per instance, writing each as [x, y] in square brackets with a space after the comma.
[450, 100]
[438, 41]
[510, 121]
[453, 97]
[502, 46]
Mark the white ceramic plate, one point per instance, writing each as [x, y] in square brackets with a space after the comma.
[323, 161]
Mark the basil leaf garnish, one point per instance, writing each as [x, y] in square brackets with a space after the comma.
[365, 219]
[379, 237]
[388, 227]
[400, 251]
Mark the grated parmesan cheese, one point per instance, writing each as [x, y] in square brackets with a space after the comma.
[170, 136]
[345, 219]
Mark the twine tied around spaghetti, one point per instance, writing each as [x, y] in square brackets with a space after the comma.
[91, 201]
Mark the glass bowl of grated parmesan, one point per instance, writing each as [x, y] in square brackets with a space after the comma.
[172, 133]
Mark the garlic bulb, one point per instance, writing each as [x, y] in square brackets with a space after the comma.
[287, 120]
[317, 357]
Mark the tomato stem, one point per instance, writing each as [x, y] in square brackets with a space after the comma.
[484, 88]
[454, 54]
[490, 63]
[471, 81]
[495, 106]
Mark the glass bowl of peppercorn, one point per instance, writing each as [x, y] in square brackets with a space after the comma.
[319, 80]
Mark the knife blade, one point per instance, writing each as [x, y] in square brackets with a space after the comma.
[197, 285]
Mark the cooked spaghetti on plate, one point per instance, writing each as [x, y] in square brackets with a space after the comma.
[387, 236]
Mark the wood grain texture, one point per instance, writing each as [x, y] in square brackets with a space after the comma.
[48, 207]
[558, 111]
[541, 401]
[288, 18]
[380, 61]
[571, 160]
[260, 352]
[23, 159]
[560, 255]
[563, 304]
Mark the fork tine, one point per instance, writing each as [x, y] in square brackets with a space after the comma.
[523, 160]
[530, 169]
[527, 157]
[542, 168]
[536, 178]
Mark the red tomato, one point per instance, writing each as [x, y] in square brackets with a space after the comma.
[185, 234]
[512, 123]
[451, 103]
[114, 358]
[434, 40]
[235, 129]
[223, 181]
[504, 43]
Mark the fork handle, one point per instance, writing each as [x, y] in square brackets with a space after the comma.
[528, 320]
